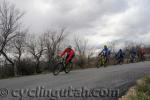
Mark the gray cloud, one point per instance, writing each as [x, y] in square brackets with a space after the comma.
[97, 20]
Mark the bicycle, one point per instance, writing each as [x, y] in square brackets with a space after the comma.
[119, 59]
[102, 60]
[62, 66]
[133, 58]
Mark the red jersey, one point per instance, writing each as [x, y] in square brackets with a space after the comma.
[70, 53]
[142, 51]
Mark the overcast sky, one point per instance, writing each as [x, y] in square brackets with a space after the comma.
[97, 20]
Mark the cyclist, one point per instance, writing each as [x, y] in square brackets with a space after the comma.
[105, 52]
[120, 56]
[70, 54]
[133, 54]
[141, 53]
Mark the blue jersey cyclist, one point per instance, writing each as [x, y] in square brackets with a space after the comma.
[105, 52]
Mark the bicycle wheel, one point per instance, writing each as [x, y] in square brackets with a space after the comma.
[68, 67]
[98, 63]
[57, 69]
[105, 61]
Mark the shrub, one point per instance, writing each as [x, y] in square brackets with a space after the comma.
[26, 67]
[6, 70]
[81, 62]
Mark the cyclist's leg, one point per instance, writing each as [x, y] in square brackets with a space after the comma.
[70, 60]
[102, 60]
[69, 65]
[106, 58]
[142, 57]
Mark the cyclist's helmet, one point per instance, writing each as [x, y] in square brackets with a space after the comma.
[69, 47]
[105, 46]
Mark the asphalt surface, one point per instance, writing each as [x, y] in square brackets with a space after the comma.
[89, 84]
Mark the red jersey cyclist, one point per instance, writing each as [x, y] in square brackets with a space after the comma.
[70, 54]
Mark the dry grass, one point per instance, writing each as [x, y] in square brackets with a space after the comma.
[139, 92]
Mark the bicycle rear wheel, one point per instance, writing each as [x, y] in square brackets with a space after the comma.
[68, 67]
[100, 62]
[105, 61]
[57, 69]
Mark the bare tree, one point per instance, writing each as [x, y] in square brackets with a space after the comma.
[112, 45]
[91, 52]
[81, 47]
[9, 24]
[53, 40]
[36, 48]
[19, 45]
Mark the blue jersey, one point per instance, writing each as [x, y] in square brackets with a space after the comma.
[120, 54]
[133, 51]
[106, 51]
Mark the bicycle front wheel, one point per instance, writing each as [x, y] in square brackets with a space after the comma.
[68, 67]
[57, 69]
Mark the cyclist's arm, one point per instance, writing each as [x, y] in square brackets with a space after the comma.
[100, 52]
[63, 53]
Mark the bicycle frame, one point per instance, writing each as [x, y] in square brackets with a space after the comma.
[62, 66]
[101, 60]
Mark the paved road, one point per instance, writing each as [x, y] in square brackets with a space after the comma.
[100, 84]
